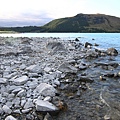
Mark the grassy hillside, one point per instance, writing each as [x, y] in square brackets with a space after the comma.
[79, 23]
[84, 23]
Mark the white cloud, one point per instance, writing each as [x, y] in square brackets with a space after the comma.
[45, 10]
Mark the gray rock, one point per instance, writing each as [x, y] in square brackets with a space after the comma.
[6, 109]
[26, 110]
[21, 80]
[1, 111]
[112, 51]
[48, 117]
[28, 104]
[34, 69]
[47, 69]
[17, 90]
[67, 68]
[55, 46]
[10, 117]
[3, 80]
[45, 106]
[46, 90]
[48, 98]
[87, 45]
[21, 93]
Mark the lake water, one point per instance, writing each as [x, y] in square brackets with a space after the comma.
[105, 40]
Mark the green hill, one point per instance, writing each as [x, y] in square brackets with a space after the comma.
[79, 23]
[84, 23]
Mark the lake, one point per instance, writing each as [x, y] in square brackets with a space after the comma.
[105, 40]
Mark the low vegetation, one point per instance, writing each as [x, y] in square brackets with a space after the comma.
[80, 23]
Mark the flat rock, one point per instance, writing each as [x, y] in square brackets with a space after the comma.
[45, 106]
[67, 68]
[3, 80]
[21, 80]
[46, 90]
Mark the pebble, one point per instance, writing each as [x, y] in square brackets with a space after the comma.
[29, 81]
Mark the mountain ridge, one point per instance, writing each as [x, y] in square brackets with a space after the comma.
[84, 23]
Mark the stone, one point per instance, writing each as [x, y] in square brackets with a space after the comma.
[112, 51]
[10, 117]
[67, 68]
[86, 79]
[6, 109]
[56, 82]
[21, 80]
[34, 68]
[48, 98]
[45, 106]
[55, 46]
[76, 39]
[47, 69]
[46, 90]
[3, 80]
[26, 110]
[1, 111]
[21, 93]
[28, 104]
[48, 117]
[87, 45]
[91, 53]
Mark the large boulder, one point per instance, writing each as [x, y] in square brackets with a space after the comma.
[112, 51]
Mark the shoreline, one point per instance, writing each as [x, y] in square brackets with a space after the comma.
[58, 79]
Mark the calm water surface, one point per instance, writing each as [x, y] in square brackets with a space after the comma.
[105, 40]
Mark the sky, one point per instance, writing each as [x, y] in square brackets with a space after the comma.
[39, 12]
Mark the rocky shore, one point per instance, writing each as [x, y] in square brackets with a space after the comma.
[55, 79]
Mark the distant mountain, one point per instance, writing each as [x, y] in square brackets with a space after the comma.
[84, 23]
[79, 23]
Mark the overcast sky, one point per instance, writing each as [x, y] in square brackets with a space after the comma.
[39, 12]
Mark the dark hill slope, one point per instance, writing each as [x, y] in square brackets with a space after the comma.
[79, 23]
[84, 23]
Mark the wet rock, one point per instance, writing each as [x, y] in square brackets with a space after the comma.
[67, 68]
[45, 106]
[77, 40]
[112, 51]
[96, 44]
[87, 45]
[86, 79]
[10, 117]
[102, 78]
[91, 54]
[46, 90]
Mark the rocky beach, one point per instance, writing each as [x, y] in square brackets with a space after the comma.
[54, 79]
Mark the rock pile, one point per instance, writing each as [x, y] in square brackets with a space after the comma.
[33, 71]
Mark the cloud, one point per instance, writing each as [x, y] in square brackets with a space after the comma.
[26, 19]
